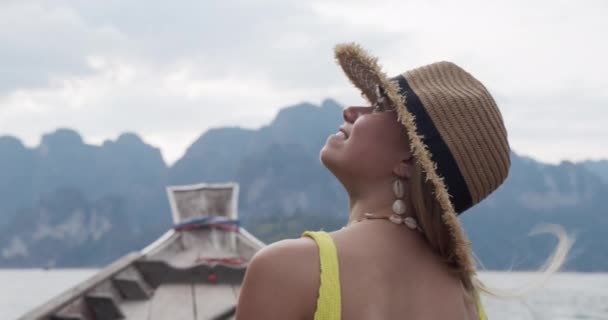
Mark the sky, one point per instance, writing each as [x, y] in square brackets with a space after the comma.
[170, 70]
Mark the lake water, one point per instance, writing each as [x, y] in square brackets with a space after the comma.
[564, 296]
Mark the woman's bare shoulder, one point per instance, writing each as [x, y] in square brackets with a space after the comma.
[289, 256]
[281, 281]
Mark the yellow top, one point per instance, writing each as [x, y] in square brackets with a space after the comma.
[329, 301]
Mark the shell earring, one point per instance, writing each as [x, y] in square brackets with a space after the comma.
[399, 207]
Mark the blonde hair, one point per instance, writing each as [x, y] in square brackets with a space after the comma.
[429, 214]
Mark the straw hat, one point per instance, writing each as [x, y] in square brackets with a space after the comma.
[455, 128]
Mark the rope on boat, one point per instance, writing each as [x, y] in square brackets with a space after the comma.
[215, 223]
[208, 222]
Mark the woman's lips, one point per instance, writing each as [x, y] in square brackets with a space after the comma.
[340, 134]
[343, 133]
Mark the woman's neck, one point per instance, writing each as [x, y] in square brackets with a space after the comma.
[377, 200]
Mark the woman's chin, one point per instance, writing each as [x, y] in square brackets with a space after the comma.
[333, 153]
[329, 156]
[325, 153]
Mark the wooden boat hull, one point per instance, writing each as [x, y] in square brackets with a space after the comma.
[192, 272]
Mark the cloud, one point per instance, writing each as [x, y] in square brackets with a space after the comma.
[170, 71]
[40, 45]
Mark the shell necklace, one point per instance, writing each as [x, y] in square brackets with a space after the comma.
[409, 222]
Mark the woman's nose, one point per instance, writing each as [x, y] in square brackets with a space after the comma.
[350, 114]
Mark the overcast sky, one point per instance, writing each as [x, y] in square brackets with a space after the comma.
[169, 70]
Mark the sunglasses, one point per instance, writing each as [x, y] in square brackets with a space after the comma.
[383, 103]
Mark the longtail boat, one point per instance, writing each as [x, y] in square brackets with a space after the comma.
[192, 272]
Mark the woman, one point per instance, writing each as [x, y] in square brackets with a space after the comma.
[431, 144]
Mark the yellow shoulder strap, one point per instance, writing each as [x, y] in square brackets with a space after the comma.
[329, 301]
[480, 311]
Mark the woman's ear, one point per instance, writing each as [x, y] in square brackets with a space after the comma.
[403, 169]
